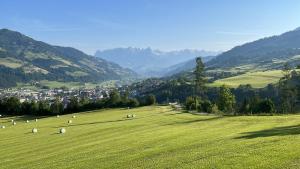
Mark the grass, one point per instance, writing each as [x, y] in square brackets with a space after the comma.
[255, 79]
[157, 138]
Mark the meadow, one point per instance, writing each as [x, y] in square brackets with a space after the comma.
[158, 137]
[258, 79]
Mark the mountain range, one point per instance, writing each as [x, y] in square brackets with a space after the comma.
[23, 59]
[149, 62]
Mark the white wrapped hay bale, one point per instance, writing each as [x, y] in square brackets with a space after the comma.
[34, 130]
[70, 121]
[62, 130]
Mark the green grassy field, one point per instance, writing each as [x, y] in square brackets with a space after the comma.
[255, 79]
[157, 138]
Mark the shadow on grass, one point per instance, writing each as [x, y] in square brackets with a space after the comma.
[92, 123]
[277, 131]
[198, 120]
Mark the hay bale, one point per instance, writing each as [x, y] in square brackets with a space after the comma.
[70, 121]
[62, 130]
[34, 130]
[3, 127]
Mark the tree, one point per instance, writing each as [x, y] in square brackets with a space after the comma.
[44, 107]
[150, 99]
[57, 107]
[12, 106]
[200, 78]
[226, 100]
[73, 105]
[266, 106]
[133, 103]
[287, 91]
[114, 98]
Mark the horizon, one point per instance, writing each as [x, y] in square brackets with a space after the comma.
[164, 26]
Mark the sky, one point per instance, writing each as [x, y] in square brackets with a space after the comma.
[90, 25]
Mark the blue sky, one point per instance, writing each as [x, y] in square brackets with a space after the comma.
[160, 24]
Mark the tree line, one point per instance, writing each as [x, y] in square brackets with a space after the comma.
[13, 106]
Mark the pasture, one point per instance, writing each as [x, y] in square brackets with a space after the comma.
[255, 79]
[157, 137]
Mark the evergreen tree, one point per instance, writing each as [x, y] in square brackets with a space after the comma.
[200, 78]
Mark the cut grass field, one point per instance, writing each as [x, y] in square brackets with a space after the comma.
[158, 137]
[255, 79]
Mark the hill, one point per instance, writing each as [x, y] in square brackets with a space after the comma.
[150, 62]
[266, 53]
[183, 66]
[23, 59]
[158, 137]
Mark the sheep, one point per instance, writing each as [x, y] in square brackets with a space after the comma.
[62, 130]
[70, 121]
[74, 116]
[133, 115]
[129, 115]
[14, 123]
[27, 121]
[57, 116]
[3, 127]
[34, 130]
[36, 120]
[0, 115]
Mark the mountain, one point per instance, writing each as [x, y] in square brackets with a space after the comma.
[149, 62]
[183, 66]
[266, 53]
[23, 59]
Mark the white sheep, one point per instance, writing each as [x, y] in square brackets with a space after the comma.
[3, 127]
[133, 115]
[34, 130]
[62, 130]
[74, 116]
[27, 121]
[129, 115]
[57, 116]
[70, 121]
[36, 120]
[14, 123]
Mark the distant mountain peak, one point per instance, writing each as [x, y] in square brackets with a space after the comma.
[297, 29]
